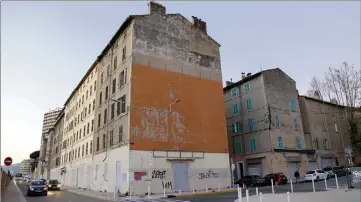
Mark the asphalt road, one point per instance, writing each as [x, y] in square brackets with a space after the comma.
[56, 196]
[301, 187]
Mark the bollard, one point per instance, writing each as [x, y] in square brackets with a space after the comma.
[291, 186]
[130, 191]
[114, 191]
[313, 185]
[148, 191]
[288, 197]
[193, 190]
[260, 197]
[218, 188]
[247, 195]
[326, 184]
[273, 190]
[256, 190]
[207, 189]
[239, 195]
[164, 191]
[179, 193]
[336, 181]
[243, 186]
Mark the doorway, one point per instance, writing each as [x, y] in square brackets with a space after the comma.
[240, 171]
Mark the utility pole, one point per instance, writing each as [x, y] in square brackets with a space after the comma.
[269, 134]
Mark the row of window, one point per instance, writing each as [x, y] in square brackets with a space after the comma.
[78, 152]
[252, 144]
[234, 91]
[121, 108]
[122, 81]
[249, 106]
[110, 139]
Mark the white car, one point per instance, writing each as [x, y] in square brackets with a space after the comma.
[315, 175]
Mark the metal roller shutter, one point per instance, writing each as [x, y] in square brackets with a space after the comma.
[312, 165]
[326, 162]
[254, 169]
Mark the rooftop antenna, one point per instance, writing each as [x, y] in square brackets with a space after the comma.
[261, 67]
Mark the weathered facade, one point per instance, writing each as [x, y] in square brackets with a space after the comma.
[56, 139]
[158, 111]
[265, 130]
[326, 131]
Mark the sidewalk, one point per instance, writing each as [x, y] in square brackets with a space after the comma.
[11, 193]
[110, 195]
[333, 195]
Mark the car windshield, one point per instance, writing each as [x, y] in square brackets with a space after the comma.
[310, 172]
[53, 182]
[37, 182]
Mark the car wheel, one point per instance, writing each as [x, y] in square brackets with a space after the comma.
[46, 193]
[28, 194]
[317, 178]
[328, 176]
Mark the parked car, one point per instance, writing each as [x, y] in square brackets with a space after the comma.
[315, 175]
[37, 187]
[329, 172]
[278, 178]
[251, 181]
[18, 176]
[53, 185]
[339, 171]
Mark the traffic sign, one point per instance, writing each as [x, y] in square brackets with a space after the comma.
[8, 161]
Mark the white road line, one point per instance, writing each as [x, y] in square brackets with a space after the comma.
[22, 198]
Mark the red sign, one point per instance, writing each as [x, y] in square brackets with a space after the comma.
[8, 161]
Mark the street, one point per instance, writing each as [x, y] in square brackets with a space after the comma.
[55, 196]
[301, 187]
[65, 196]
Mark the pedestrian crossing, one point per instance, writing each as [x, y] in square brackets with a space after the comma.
[152, 200]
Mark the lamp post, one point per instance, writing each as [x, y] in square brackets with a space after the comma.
[170, 105]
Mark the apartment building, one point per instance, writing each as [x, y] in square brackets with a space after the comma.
[158, 79]
[326, 131]
[25, 167]
[53, 153]
[264, 125]
[75, 133]
[142, 113]
[48, 122]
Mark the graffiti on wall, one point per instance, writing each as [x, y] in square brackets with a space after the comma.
[139, 175]
[167, 185]
[209, 174]
[158, 174]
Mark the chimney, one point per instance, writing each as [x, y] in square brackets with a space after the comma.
[157, 8]
[228, 83]
[243, 75]
[197, 22]
[249, 74]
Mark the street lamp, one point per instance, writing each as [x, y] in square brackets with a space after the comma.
[170, 105]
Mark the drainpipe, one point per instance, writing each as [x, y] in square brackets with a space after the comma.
[108, 105]
[269, 136]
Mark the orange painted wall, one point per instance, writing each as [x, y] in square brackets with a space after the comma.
[201, 112]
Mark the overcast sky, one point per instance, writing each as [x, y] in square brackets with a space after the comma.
[46, 47]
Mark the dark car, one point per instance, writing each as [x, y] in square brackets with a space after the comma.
[278, 178]
[53, 185]
[251, 181]
[37, 187]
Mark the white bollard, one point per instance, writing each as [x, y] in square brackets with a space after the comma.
[336, 181]
[180, 192]
[326, 184]
[218, 188]
[288, 197]
[148, 190]
[291, 185]
[206, 188]
[130, 191]
[256, 190]
[313, 185]
[260, 197]
[164, 191]
[239, 195]
[193, 191]
[243, 186]
[247, 195]
[115, 189]
[273, 190]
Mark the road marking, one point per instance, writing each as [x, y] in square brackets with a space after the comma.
[22, 198]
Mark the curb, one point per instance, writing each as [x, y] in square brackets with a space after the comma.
[206, 193]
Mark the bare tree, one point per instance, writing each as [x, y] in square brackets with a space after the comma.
[342, 84]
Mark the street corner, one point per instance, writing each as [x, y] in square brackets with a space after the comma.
[210, 192]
